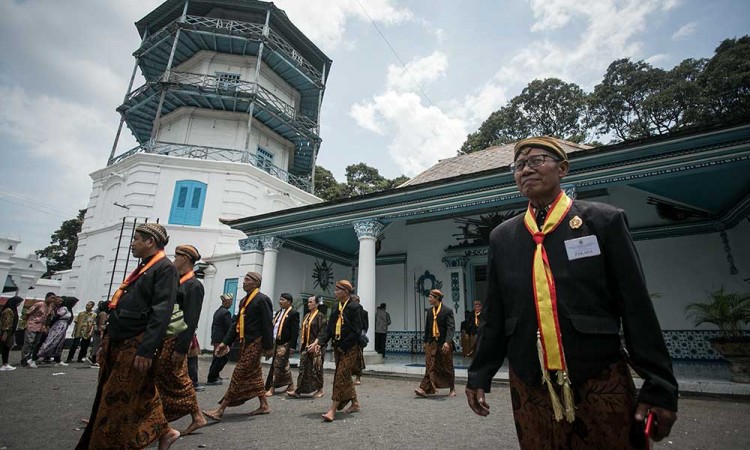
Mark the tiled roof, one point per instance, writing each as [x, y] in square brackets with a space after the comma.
[489, 158]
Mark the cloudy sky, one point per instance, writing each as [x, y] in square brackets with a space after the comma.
[65, 65]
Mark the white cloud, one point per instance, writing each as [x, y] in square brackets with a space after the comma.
[74, 135]
[577, 40]
[324, 21]
[418, 72]
[685, 31]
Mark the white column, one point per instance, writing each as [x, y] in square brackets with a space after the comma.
[211, 302]
[271, 246]
[367, 233]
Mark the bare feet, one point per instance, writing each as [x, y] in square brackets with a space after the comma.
[293, 394]
[357, 382]
[198, 422]
[167, 439]
[269, 393]
[328, 417]
[421, 393]
[452, 393]
[318, 394]
[290, 388]
[260, 411]
[86, 421]
[352, 409]
[213, 414]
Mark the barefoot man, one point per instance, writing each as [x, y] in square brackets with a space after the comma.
[344, 327]
[253, 326]
[172, 379]
[438, 348]
[127, 410]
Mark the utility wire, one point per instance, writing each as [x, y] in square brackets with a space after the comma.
[35, 202]
[37, 209]
[419, 86]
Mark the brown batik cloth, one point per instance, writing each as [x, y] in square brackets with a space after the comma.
[346, 364]
[605, 409]
[127, 411]
[468, 344]
[439, 371]
[175, 386]
[280, 374]
[360, 362]
[310, 377]
[247, 378]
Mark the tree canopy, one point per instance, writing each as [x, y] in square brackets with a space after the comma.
[634, 100]
[61, 252]
[360, 179]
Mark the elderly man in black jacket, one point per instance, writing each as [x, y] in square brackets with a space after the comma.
[127, 410]
[562, 278]
[253, 327]
[219, 327]
[286, 332]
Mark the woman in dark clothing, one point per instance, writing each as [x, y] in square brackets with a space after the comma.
[8, 324]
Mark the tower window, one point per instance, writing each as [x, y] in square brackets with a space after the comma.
[187, 203]
[265, 159]
[227, 81]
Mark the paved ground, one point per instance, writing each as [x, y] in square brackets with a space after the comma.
[42, 408]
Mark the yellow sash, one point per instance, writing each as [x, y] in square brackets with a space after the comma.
[549, 340]
[340, 321]
[476, 319]
[283, 319]
[306, 325]
[241, 321]
[134, 276]
[435, 330]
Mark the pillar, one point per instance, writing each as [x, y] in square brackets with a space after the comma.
[367, 233]
[271, 246]
[211, 303]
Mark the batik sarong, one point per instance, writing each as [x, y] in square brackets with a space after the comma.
[127, 411]
[310, 378]
[175, 386]
[343, 386]
[605, 408]
[468, 344]
[247, 378]
[438, 368]
[280, 374]
[360, 366]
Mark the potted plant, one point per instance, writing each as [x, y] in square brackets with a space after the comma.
[730, 311]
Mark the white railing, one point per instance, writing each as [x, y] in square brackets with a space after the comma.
[218, 154]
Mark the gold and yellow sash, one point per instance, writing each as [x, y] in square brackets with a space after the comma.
[241, 320]
[283, 319]
[476, 319]
[134, 276]
[435, 312]
[306, 325]
[549, 340]
[340, 321]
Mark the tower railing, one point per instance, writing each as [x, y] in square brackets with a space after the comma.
[236, 88]
[246, 30]
[218, 154]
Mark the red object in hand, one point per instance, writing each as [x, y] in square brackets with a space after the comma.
[647, 430]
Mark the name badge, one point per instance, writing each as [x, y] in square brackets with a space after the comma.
[582, 247]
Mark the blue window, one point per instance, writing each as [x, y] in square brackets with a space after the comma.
[187, 203]
[265, 159]
[230, 287]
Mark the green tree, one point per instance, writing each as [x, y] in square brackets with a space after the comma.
[725, 82]
[326, 186]
[619, 102]
[61, 252]
[545, 107]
